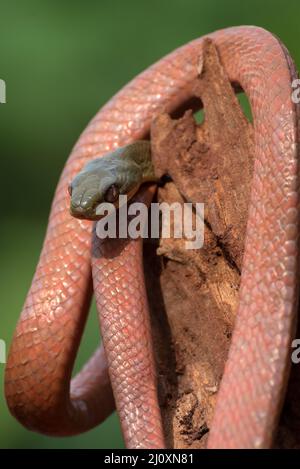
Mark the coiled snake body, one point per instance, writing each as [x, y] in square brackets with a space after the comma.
[47, 336]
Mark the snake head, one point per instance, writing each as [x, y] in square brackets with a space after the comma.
[103, 180]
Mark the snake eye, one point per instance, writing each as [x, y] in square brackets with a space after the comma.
[112, 194]
[70, 189]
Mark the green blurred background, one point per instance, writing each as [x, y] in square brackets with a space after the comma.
[61, 61]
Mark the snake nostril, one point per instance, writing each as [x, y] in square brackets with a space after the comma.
[70, 189]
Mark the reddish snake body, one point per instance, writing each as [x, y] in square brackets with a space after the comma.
[47, 336]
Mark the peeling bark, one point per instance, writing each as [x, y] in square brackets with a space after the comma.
[194, 293]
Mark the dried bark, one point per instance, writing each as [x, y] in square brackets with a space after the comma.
[194, 293]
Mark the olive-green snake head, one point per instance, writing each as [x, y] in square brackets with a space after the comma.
[120, 172]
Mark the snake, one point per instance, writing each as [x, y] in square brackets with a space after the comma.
[39, 387]
[105, 179]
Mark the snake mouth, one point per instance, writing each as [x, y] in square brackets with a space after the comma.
[94, 212]
[84, 214]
